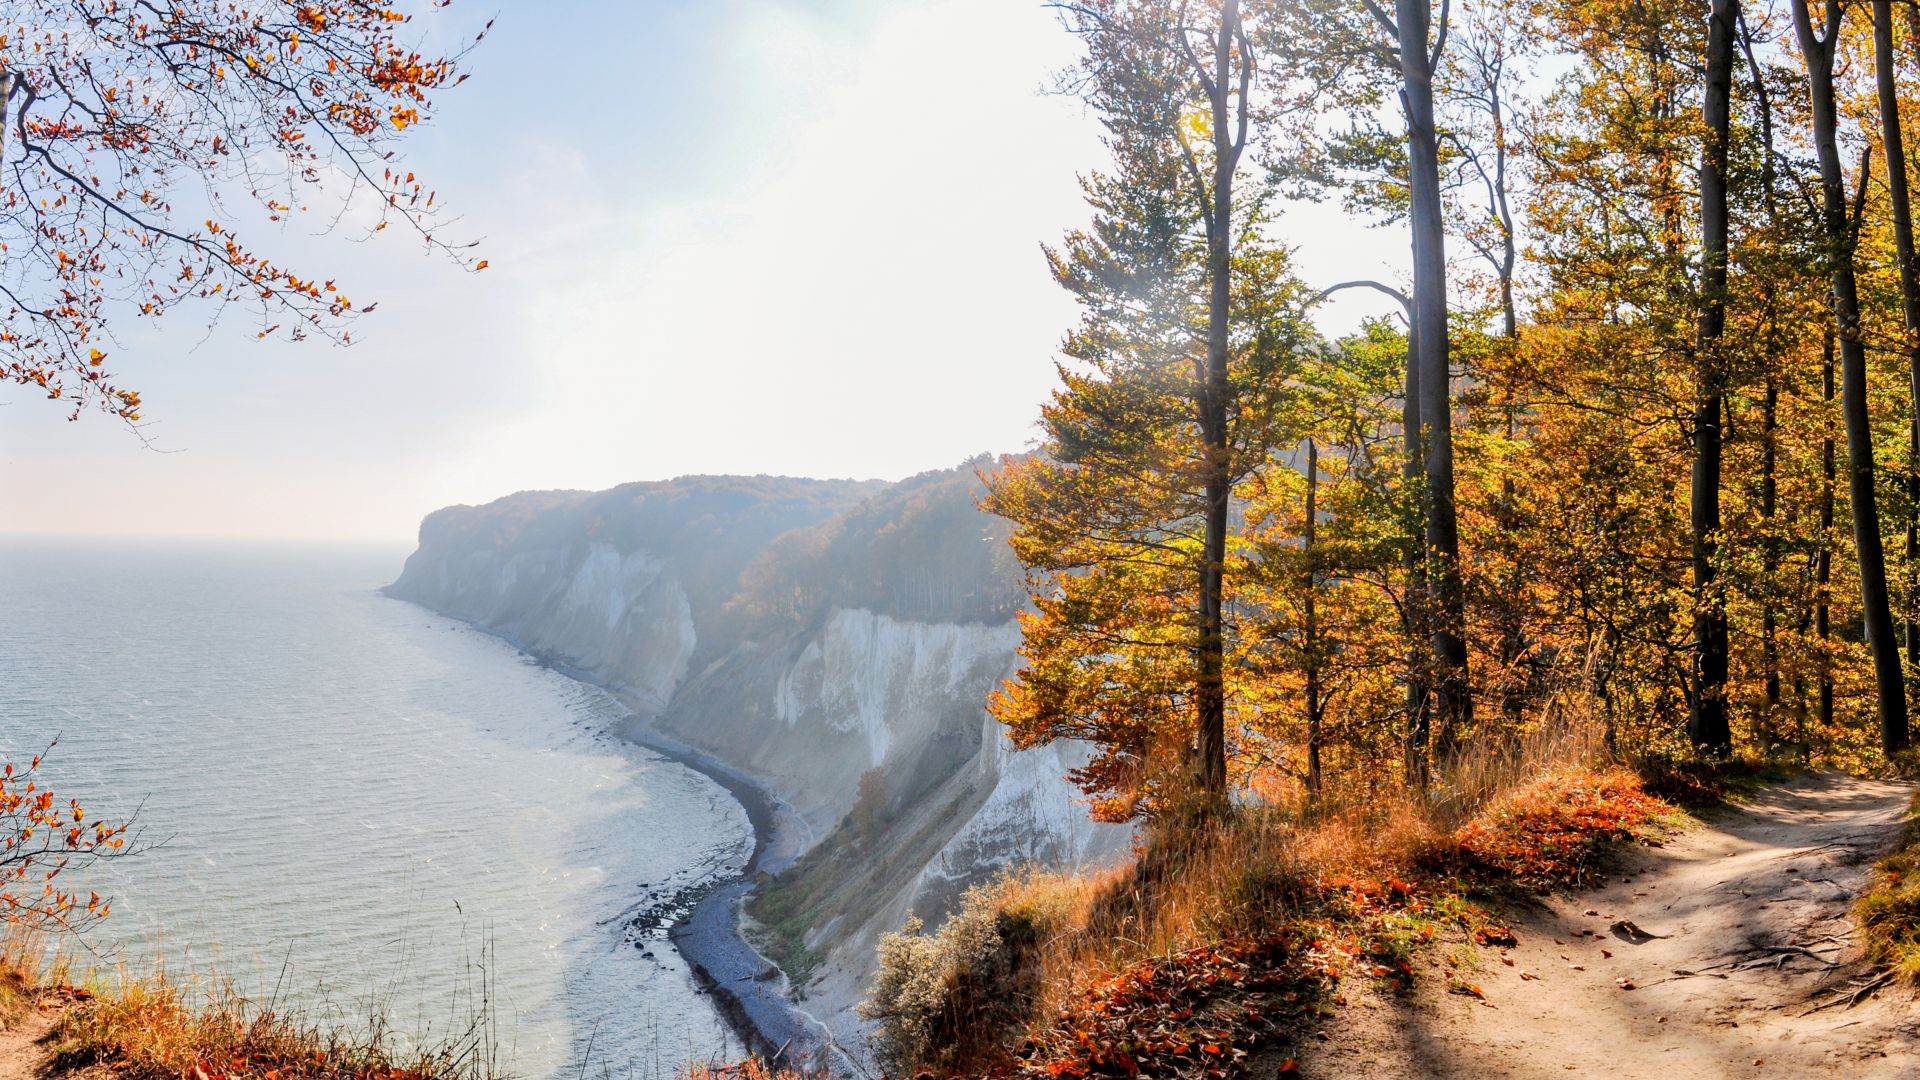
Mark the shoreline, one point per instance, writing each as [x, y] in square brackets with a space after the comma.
[746, 989]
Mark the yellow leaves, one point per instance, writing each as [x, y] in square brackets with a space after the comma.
[95, 357]
[1197, 124]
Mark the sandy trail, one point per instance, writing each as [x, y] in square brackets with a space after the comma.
[24, 1051]
[1751, 907]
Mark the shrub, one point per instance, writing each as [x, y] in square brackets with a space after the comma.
[954, 999]
[1889, 911]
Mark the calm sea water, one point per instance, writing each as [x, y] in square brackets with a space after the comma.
[352, 800]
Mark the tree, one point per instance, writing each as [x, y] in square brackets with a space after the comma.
[1189, 320]
[138, 138]
[1412, 39]
[1893, 144]
[1708, 724]
[1842, 233]
[1479, 81]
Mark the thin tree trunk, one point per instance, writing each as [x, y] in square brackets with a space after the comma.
[1708, 727]
[1840, 229]
[1513, 639]
[1770, 551]
[1770, 417]
[1894, 142]
[1446, 607]
[1315, 706]
[1823, 562]
[1413, 477]
[1210, 691]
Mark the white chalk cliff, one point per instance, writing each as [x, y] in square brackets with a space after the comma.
[805, 632]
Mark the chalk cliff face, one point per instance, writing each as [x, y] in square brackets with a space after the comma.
[621, 617]
[811, 634]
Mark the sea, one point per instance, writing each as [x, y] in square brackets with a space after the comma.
[347, 806]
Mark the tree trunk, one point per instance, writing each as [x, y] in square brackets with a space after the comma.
[1770, 416]
[1315, 706]
[1413, 478]
[1770, 550]
[1707, 727]
[1823, 562]
[1210, 691]
[1840, 225]
[1894, 143]
[1452, 696]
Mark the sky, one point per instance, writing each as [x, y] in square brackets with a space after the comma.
[797, 237]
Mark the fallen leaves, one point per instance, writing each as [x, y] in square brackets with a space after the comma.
[1193, 1014]
[1549, 836]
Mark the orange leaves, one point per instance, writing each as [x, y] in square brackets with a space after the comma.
[1197, 1013]
[40, 838]
[1549, 834]
[128, 103]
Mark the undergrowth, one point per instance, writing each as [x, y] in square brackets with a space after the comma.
[151, 1029]
[1698, 783]
[751, 1069]
[1889, 910]
[148, 1030]
[1224, 935]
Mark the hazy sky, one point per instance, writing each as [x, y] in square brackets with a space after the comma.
[781, 236]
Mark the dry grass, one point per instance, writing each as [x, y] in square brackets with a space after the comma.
[151, 1029]
[148, 1030]
[1231, 923]
[1889, 911]
[752, 1069]
[1533, 814]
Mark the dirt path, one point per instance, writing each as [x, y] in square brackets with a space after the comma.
[1750, 912]
[24, 1053]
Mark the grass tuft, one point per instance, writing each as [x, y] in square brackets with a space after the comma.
[1889, 910]
[147, 1030]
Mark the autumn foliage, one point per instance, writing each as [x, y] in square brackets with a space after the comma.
[43, 837]
[1650, 498]
[1192, 1014]
[1224, 941]
[150, 152]
[1552, 834]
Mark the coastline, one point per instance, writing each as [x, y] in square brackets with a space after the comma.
[748, 991]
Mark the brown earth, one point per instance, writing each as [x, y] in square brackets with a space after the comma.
[26, 1048]
[1726, 952]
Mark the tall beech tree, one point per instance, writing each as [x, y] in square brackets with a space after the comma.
[1416, 44]
[1842, 224]
[1189, 322]
[141, 146]
[1708, 724]
[1900, 207]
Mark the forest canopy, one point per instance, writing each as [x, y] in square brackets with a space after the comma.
[1637, 455]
